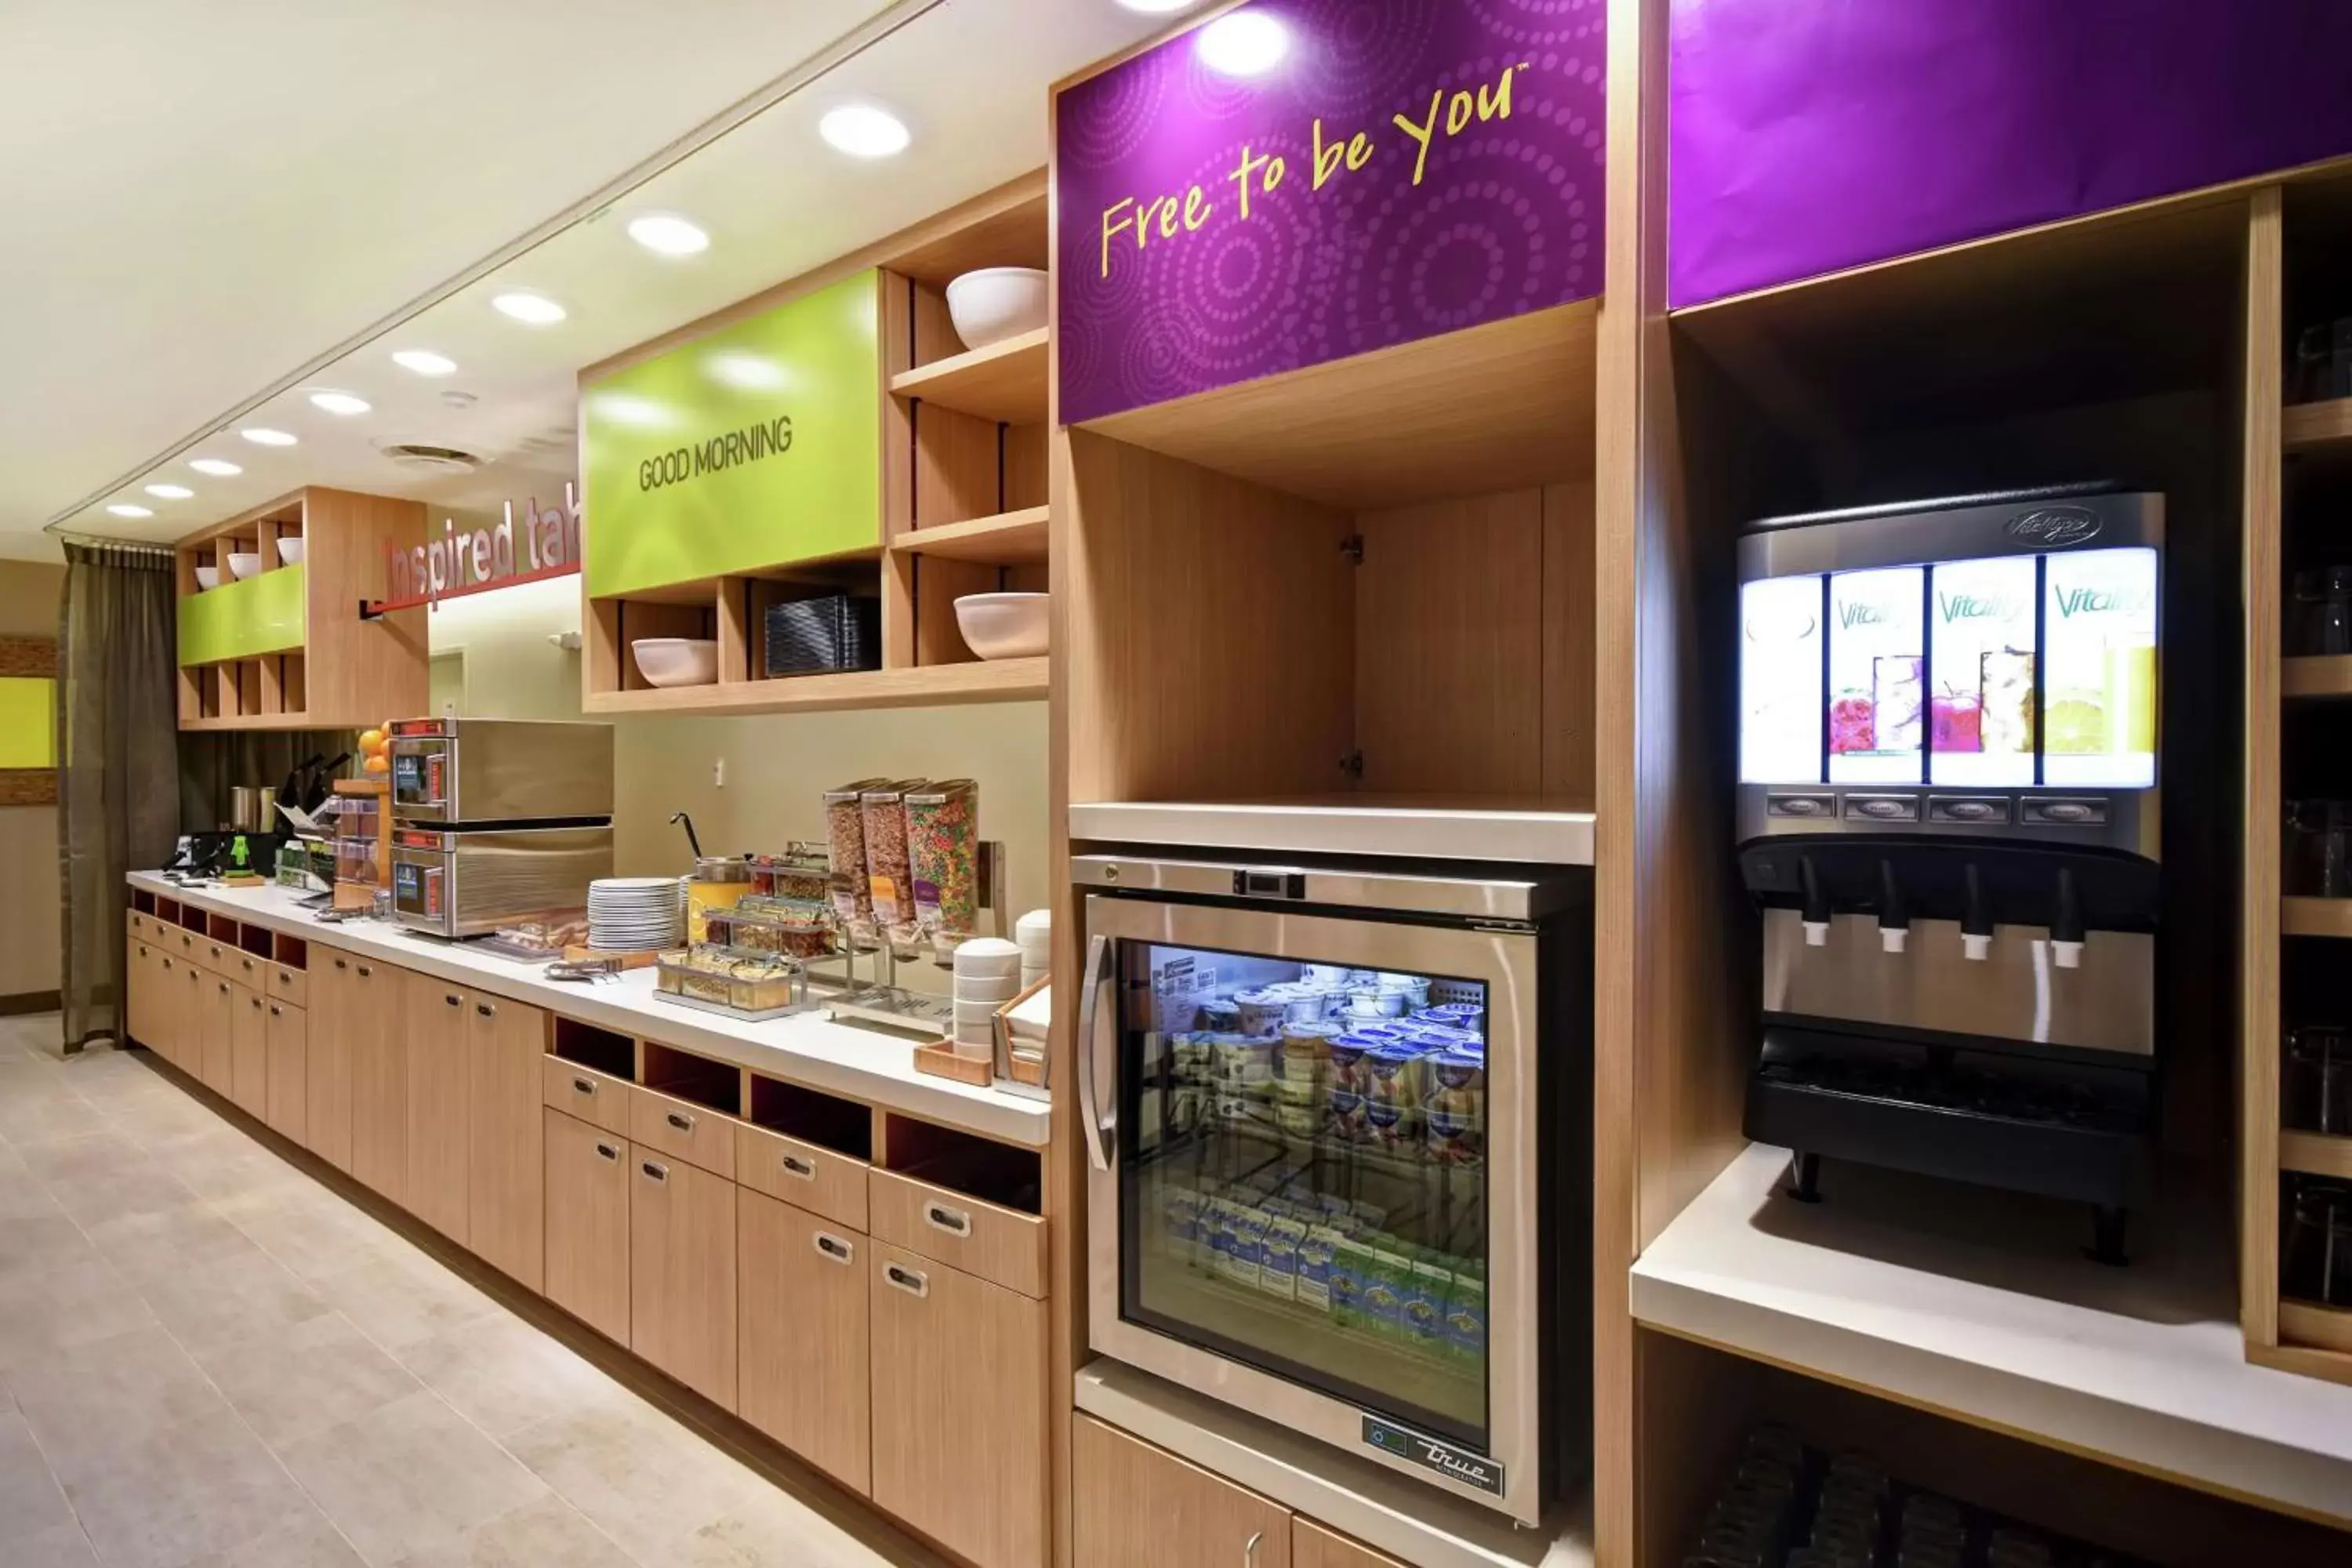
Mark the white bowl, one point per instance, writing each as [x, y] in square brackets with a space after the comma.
[676, 662]
[1004, 625]
[208, 578]
[289, 551]
[243, 563]
[996, 303]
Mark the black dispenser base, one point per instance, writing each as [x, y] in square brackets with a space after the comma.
[2061, 1129]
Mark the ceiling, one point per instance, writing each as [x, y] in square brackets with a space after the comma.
[256, 185]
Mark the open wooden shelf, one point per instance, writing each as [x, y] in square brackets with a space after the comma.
[2316, 675]
[2309, 1324]
[2310, 426]
[2316, 917]
[1008, 539]
[2314, 1154]
[259, 722]
[1005, 381]
[930, 686]
[1498, 827]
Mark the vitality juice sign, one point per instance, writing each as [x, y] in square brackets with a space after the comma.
[1399, 170]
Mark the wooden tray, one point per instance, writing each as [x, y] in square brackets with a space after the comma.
[645, 960]
[939, 1058]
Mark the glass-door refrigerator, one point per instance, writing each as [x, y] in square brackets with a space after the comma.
[1339, 1121]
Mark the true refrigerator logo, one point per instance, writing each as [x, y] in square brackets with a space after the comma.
[1457, 1465]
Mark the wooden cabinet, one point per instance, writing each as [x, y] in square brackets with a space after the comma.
[1001, 1246]
[805, 1175]
[327, 1078]
[185, 1029]
[139, 980]
[434, 1012]
[215, 1032]
[804, 1375]
[287, 1109]
[959, 1392]
[248, 1051]
[506, 1205]
[598, 1099]
[674, 1129]
[1134, 1506]
[587, 1225]
[379, 1079]
[1312, 1546]
[682, 1272]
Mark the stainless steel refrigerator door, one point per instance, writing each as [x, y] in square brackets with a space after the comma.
[1504, 1472]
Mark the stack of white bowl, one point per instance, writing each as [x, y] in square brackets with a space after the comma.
[633, 914]
[987, 976]
[1034, 935]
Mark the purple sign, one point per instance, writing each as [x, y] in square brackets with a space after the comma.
[1403, 168]
[1810, 135]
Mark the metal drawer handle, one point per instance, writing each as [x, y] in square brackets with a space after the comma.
[795, 1167]
[658, 1172]
[681, 1121]
[365, 972]
[451, 998]
[248, 964]
[224, 988]
[273, 1012]
[484, 1009]
[340, 964]
[256, 1003]
[908, 1280]
[833, 1247]
[582, 1086]
[608, 1150]
[955, 1222]
[1249, 1549]
[284, 977]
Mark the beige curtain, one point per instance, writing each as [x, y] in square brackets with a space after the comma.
[118, 765]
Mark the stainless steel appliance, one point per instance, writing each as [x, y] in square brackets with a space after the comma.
[1948, 814]
[1339, 1120]
[459, 773]
[469, 883]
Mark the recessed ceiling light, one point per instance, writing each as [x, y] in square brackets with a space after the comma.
[262, 435]
[1243, 43]
[864, 131]
[124, 509]
[170, 492]
[536, 309]
[668, 234]
[341, 403]
[424, 362]
[220, 467]
[1159, 7]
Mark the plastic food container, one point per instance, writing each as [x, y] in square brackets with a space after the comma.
[943, 854]
[744, 981]
[1261, 1012]
[796, 928]
[844, 829]
[804, 871]
[889, 872]
[1456, 1110]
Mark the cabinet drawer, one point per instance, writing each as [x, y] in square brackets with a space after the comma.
[248, 970]
[221, 957]
[1001, 1246]
[802, 1175]
[141, 927]
[188, 945]
[286, 985]
[684, 1131]
[598, 1099]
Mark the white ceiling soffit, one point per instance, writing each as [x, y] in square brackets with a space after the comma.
[775, 200]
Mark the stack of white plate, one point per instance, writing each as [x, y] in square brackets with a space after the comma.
[987, 976]
[633, 914]
[1034, 934]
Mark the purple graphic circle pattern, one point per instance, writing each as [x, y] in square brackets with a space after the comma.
[1505, 219]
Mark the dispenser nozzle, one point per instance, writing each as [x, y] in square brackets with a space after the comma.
[1976, 917]
[1815, 911]
[2066, 925]
[1893, 918]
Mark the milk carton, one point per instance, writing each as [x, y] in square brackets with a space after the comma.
[1278, 1273]
[1318, 1254]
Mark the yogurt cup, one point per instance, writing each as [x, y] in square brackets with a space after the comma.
[1262, 1012]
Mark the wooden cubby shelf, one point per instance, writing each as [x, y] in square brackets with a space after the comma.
[1005, 382]
[2316, 676]
[2310, 1323]
[2313, 427]
[930, 686]
[2315, 1153]
[2316, 917]
[1010, 538]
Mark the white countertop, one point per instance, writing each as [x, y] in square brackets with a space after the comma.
[1426, 1526]
[1507, 829]
[849, 1060]
[1979, 1303]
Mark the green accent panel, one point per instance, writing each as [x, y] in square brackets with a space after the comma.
[238, 620]
[757, 445]
[29, 722]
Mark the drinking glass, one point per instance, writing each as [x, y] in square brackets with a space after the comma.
[2318, 1082]
[2322, 361]
[2319, 848]
[2316, 1263]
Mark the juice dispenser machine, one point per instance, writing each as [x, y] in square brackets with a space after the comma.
[1949, 814]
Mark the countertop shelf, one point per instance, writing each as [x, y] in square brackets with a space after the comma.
[1980, 1305]
[2316, 675]
[1008, 539]
[2311, 427]
[2317, 1154]
[1511, 828]
[1005, 382]
[932, 686]
[844, 1060]
[2316, 917]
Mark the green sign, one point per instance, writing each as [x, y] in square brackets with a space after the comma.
[264, 614]
[29, 722]
[755, 447]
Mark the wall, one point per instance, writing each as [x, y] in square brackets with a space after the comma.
[511, 670]
[30, 960]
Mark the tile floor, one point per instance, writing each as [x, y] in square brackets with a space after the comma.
[210, 1360]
